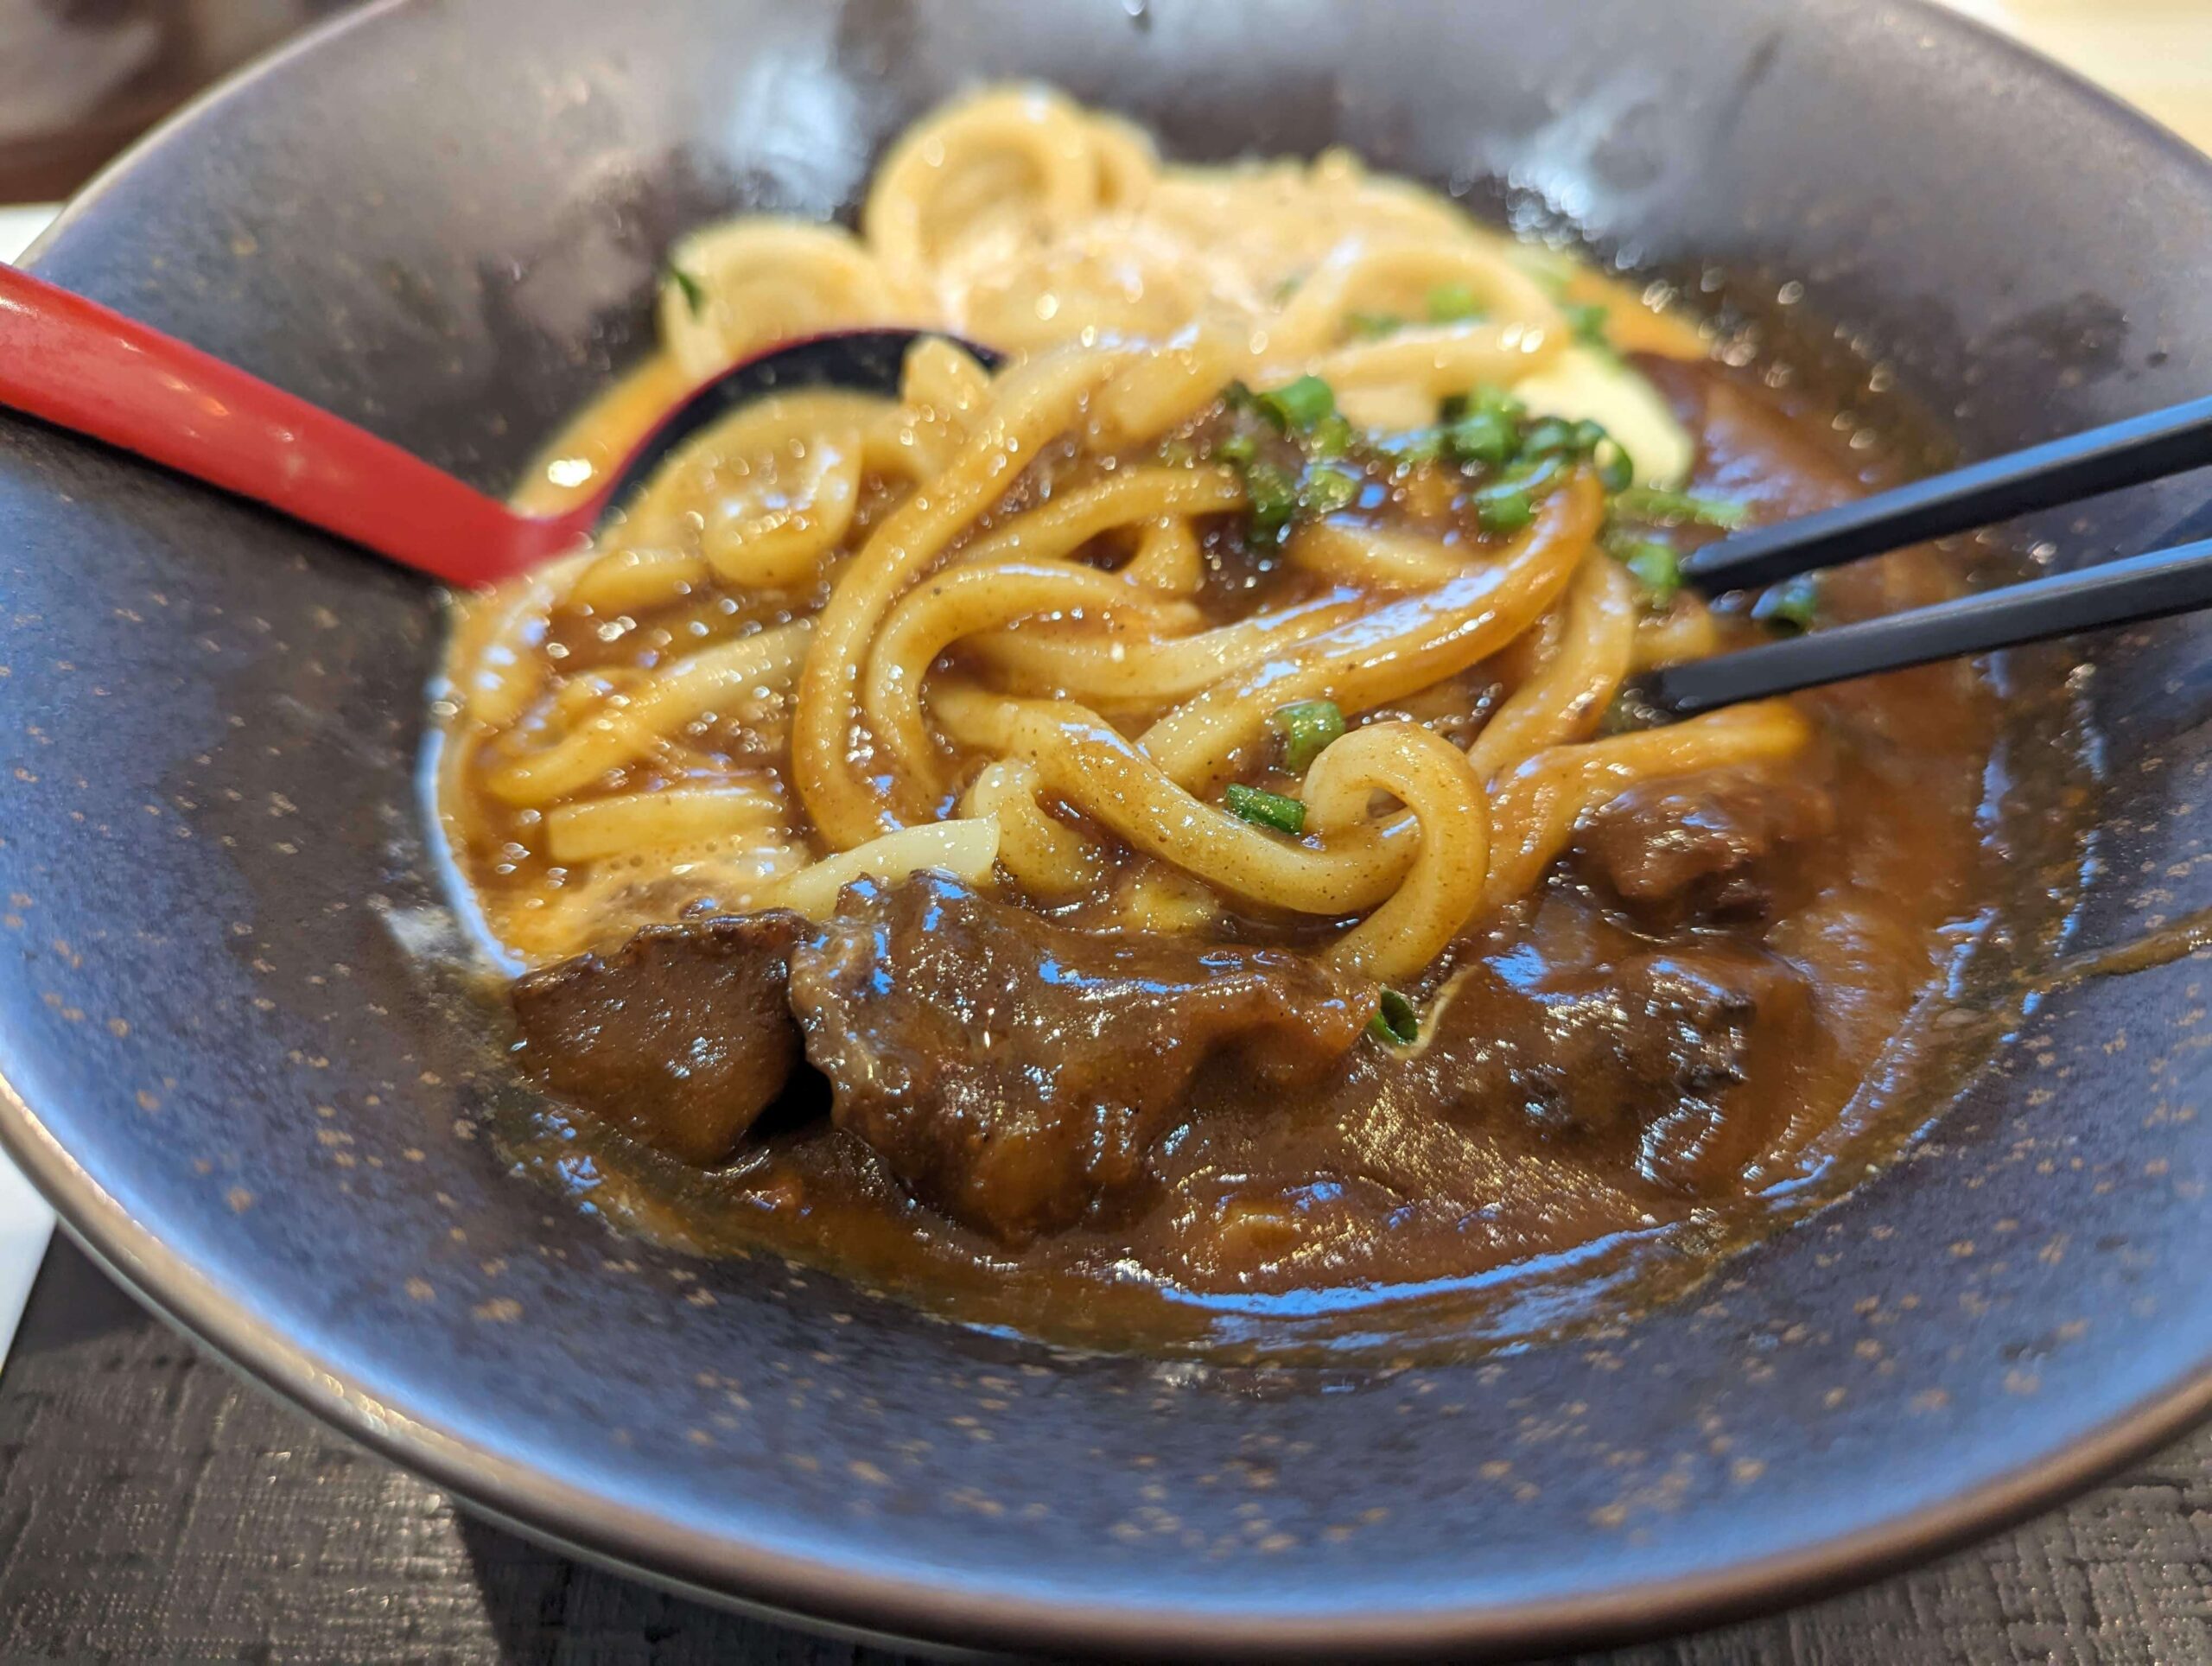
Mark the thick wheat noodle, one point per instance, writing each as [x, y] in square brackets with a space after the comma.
[1443, 885]
[1117, 667]
[1394, 276]
[1011, 133]
[957, 602]
[1441, 361]
[1381, 558]
[1167, 558]
[660, 820]
[1388, 653]
[1138, 291]
[1166, 388]
[1048, 858]
[1424, 867]
[678, 697]
[1570, 690]
[1535, 809]
[494, 667]
[1031, 405]
[1085, 759]
[1127, 497]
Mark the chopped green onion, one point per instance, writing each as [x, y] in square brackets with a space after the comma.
[1453, 303]
[1374, 326]
[1298, 405]
[1483, 436]
[1588, 320]
[1308, 727]
[1236, 449]
[1332, 436]
[1411, 450]
[1655, 567]
[695, 292]
[1616, 468]
[1549, 435]
[1657, 507]
[1488, 397]
[1265, 808]
[1589, 434]
[1504, 512]
[1274, 499]
[1791, 605]
[1327, 489]
[1509, 503]
[1396, 1022]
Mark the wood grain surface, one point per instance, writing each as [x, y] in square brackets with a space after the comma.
[153, 1507]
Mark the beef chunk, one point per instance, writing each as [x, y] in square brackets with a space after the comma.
[1702, 847]
[1013, 1072]
[682, 1036]
[1643, 1051]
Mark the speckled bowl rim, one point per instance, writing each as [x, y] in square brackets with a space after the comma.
[852, 1602]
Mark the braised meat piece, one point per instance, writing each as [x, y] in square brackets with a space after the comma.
[682, 1036]
[1701, 848]
[1013, 1072]
[1638, 1051]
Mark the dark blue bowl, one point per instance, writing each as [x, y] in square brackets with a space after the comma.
[444, 220]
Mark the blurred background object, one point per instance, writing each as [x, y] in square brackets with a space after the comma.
[2155, 54]
[81, 79]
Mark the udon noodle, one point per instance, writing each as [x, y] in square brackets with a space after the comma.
[1273, 444]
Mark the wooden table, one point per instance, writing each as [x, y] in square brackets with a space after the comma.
[152, 1507]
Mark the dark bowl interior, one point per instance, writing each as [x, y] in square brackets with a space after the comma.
[444, 220]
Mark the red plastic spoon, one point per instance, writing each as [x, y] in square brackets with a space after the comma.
[71, 362]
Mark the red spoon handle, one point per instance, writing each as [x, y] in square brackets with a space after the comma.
[76, 364]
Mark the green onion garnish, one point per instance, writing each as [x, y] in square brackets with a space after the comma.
[1326, 489]
[1332, 436]
[1374, 326]
[1791, 605]
[1274, 499]
[695, 292]
[1655, 567]
[1549, 435]
[1236, 449]
[1396, 1022]
[1488, 397]
[1411, 450]
[1297, 405]
[1657, 507]
[1307, 728]
[1265, 808]
[1504, 512]
[1616, 468]
[1588, 320]
[1453, 303]
[1483, 436]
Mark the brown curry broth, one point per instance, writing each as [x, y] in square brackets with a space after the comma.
[1364, 1216]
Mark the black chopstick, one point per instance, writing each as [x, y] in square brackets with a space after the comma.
[2103, 459]
[2164, 582]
